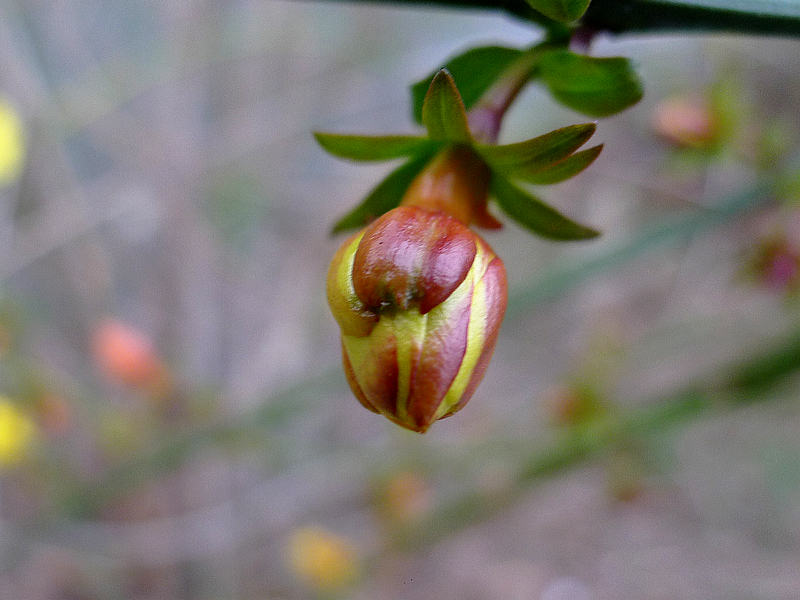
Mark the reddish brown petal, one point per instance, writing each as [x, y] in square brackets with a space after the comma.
[411, 255]
[388, 260]
[448, 263]
[457, 182]
[438, 363]
[377, 374]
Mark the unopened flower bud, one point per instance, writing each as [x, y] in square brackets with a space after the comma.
[686, 123]
[419, 298]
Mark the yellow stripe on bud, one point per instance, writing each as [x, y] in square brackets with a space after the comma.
[475, 344]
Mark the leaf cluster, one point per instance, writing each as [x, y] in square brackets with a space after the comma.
[442, 102]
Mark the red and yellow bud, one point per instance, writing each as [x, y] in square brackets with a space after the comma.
[419, 298]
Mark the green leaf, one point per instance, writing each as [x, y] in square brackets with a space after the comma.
[386, 196]
[443, 112]
[373, 148]
[535, 215]
[563, 11]
[524, 159]
[474, 72]
[561, 171]
[598, 87]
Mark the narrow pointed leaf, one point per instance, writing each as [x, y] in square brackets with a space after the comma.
[373, 148]
[443, 112]
[563, 11]
[598, 87]
[386, 196]
[531, 156]
[561, 171]
[473, 71]
[535, 215]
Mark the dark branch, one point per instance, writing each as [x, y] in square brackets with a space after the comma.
[653, 16]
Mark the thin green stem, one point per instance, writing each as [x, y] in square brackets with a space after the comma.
[486, 116]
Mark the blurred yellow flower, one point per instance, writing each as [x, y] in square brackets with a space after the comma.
[16, 433]
[12, 143]
[321, 558]
[407, 497]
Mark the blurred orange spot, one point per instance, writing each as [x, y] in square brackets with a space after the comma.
[570, 405]
[55, 414]
[127, 355]
[407, 497]
[563, 405]
[686, 123]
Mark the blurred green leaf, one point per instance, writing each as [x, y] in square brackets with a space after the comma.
[386, 196]
[535, 215]
[563, 11]
[561, 171]
[598, 87]
[527, 158]
[474, 72]
[443, 112]
[373, 148]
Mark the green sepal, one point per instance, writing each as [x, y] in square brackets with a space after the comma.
[535, 215]
[563, 11]
[598, 87]
[474, 72]
[443, 112]
[374, 148]
[524, 159]
[385, 196]
[563, 170]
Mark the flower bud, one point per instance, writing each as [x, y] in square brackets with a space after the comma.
[686, 123]
[420, 299]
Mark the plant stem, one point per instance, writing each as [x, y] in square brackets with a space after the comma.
[760, 17]
[486, 116]
[655, 16]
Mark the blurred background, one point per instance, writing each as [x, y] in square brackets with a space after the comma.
[173, 420]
